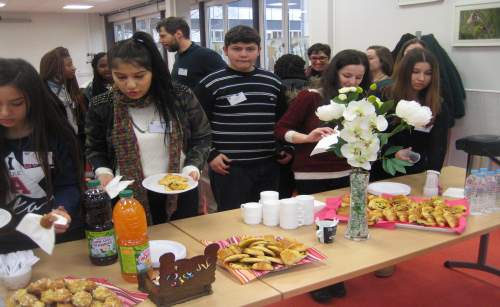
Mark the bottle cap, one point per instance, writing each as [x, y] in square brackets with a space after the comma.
[126, 193]
[93, 183]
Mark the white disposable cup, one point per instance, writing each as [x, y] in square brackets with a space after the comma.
[269, 195]
[289, 213]
[431, 184]
[306, 205]
[251, 213]
[271, 212]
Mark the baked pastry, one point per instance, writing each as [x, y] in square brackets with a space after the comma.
[81, 299]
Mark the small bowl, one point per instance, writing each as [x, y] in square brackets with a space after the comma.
[17, 281]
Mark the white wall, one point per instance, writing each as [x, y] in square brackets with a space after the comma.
[80, 33]
[360, 23]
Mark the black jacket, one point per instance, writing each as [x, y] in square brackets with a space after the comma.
[99, 125]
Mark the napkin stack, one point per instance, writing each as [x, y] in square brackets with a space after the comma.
[14, 263]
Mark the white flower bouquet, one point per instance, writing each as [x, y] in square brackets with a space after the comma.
[362, 123]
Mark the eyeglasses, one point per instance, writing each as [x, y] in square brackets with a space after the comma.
[318, 58]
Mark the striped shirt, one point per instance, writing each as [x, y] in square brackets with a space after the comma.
[243, 109]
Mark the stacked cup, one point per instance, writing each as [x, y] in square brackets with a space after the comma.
[306, 208]
[270, 207]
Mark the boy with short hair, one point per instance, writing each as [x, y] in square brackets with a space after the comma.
[243, 104]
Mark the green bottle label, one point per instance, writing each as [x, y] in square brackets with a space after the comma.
[101, 243]
[134, 259]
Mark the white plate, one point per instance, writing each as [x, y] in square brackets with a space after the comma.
[151, 183]
[5, 217]
[160, 247]
[392, 188]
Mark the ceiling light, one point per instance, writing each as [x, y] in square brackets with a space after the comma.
[2, 4]
[77, 7]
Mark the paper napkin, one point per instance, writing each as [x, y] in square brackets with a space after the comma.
[115, 186]
[325, 143]
[43, 237]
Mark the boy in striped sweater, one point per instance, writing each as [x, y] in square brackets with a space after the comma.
[243, 104]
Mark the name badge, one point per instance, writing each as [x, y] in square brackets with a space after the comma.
[157, 126]
[30, 159]
[425, 129]
[238, 98]
[182, 72]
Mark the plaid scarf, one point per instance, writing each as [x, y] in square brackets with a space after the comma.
[127, 149]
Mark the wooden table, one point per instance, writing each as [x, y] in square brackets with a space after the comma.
[71, 259]
[346, 259]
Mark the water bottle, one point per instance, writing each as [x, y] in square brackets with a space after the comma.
[491, 187]
[471, 192]
[481, 194]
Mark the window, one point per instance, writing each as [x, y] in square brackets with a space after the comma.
[295, 24]
[222, 17]
[123, 30]
[273, 27]
[215, 25]
[298, 28]
[194, 16]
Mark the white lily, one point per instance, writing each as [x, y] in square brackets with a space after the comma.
[355, 153]
[358, 129]
[360, 108]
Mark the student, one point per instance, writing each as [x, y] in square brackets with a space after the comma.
[417, 78]
[38, 151]
[409, 45]
[301, 126]
[147, 125]
[102, 80]
[290, 69]
[381, 64]
[319, 57]
[58, 72]
[192, 62]
[243, 103]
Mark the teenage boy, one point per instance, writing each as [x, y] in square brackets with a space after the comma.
[243, 103]
[192, 62]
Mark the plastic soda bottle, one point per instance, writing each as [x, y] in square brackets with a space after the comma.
[131, 232]
[99, 229]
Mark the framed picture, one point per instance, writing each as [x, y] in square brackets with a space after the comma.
[477, 23]
[410, 2]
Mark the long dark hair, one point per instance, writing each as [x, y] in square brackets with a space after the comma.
[400, 89]
[405, 46]
[330, 79]
[385, 58]
[52, 69]
[42, 115]
[141, 50]
[98, 82]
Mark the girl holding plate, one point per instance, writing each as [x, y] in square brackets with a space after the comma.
[147, 125]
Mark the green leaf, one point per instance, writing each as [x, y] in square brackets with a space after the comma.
[384, 137]
[397, 167]
[392, 150]
[402, 162]
[386, 107]
[385, 166]
[390, 167]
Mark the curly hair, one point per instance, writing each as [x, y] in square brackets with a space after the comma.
[290, 66]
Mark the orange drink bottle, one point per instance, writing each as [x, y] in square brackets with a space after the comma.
[131, 230]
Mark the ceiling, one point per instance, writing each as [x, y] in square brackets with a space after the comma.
[100, 6]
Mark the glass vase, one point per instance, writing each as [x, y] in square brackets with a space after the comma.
[357, 227]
